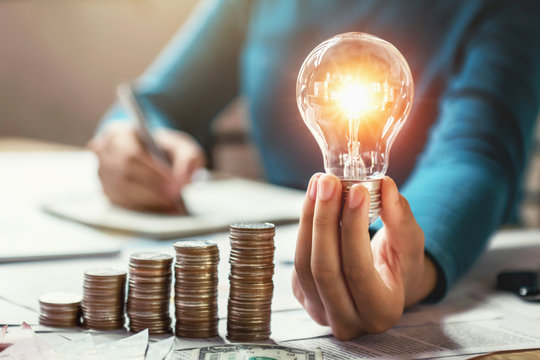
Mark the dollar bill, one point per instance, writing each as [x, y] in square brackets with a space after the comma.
[254, 352]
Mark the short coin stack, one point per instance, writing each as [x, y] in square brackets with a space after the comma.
[251, 286]
[196, 289]
[104, 298]
[60, 309]
[149, 292]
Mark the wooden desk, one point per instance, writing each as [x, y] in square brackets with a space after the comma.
[25, 144]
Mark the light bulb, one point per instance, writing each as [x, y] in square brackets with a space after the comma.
[354, 92]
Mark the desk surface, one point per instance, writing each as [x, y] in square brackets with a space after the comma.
[23, 282]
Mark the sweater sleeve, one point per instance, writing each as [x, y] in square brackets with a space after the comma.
[197, 74]
[466, 182]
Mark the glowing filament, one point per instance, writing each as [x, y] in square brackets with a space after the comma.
[354, 99]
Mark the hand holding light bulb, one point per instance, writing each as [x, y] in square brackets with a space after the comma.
[344, 279]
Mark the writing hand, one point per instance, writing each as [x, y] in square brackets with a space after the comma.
[132, 178]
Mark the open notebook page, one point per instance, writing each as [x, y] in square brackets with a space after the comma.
[213, 206]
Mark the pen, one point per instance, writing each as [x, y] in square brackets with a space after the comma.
[128, 100]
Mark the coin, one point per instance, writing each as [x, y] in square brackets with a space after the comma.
[105, 273]
[149, 289]
[196, 281]
[60, 309]
[103, 300]
[251, 285]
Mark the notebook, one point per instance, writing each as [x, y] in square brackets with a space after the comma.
[213, 205]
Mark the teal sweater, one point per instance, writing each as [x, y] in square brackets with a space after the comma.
[460, 156]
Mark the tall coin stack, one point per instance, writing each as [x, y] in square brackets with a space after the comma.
[251, 286]
[196, 288]
[149, 292]
[60, 309]
[104, 293]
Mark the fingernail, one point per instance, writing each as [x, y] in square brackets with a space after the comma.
[356, 195]
[312, 188]
[326, 188]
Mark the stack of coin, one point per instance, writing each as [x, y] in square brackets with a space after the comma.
[251, 286]
[104, 298]
[60, 309]
[149, 292]
[196, 290]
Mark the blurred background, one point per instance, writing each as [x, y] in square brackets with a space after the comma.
[60, 61]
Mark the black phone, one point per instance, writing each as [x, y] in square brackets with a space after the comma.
[522, 283]
[529, 294]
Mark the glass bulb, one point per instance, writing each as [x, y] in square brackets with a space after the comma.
[354, 92]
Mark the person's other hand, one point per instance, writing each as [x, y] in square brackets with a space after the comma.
[134, 179]
[344, 280]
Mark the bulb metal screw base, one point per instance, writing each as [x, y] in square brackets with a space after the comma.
[374, 189]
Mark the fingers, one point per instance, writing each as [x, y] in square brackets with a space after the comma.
[135, 196]
[355, 241]
[302, 261]
[139, 185]
[373, 297]
[326, 264]
[297, 288]
[395, 210]
[152, 174]
[400, 226]
[403, 241]
[129, 175]
[186, 154]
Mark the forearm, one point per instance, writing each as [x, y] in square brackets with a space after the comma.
[458, 205]
[467, 182]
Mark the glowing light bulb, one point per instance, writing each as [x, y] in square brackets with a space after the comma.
[354, 92]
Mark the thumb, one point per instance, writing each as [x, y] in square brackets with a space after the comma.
[396, 213]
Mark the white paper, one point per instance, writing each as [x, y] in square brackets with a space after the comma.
[159, 350]
[28, 233]
[80, 348]
[41, 237]
[431, 340]
[12, 314]
[130, 348]
[47, 346]
[66, 184]
[213, 204]
[474, 319]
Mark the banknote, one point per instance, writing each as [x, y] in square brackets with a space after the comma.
[254, 352]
